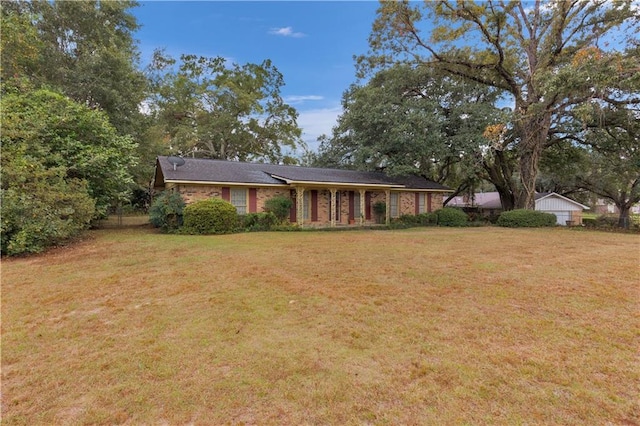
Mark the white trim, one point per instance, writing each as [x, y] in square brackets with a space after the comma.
[341, 184]
[208, 182]
[564, 198]
[290, 183]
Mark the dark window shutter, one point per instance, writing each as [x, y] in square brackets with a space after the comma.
[417, 203]
[253, 200]
[226, 194]
[314, 205]
[293, 217]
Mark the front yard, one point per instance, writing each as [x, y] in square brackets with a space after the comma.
[421, 326]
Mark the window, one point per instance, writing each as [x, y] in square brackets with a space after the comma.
[394, 204]
[306, 205]
[422, 202]
[239, 200]
[356, 205]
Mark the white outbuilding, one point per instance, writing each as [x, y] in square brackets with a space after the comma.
[568, 212]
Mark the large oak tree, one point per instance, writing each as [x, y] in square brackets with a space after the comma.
[534, 51]
[414, 121]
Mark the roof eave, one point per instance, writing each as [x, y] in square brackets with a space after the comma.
[564, 198]
[340, 184]
[209, 182]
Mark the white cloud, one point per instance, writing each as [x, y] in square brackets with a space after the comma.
[316, 122]
[298, 99]
[286, 32]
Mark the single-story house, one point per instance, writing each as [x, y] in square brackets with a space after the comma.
[606, 207]
[567, 211]
[321, 197]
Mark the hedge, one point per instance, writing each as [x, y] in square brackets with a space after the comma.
[523, 218]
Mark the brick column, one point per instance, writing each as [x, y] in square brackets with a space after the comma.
[300, 205]
[363, 194]
[387, 201]
[332, 213]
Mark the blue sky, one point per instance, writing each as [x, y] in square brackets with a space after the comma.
[311, 43]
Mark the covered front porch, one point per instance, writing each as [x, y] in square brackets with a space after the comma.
[335, 206]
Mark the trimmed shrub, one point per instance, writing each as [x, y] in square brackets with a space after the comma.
[212, 216]
[450, 216]
[254, 222]
[523, 218]
[606, 221]
[166, 211]
[427, 219]
[279, 206]
[409, 220]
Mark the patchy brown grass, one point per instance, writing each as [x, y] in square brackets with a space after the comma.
[429, 326]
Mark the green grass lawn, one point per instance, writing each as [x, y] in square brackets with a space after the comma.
[422, 326]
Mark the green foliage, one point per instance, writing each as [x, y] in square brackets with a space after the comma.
[414, 122]
[450, 216]
[253, 222]
[379, 210]
[166, 211]
[212, 216]
[61, 133]
[40, 207]
[20, 45]
[552, 73]
[280, 206]
[422, 219]
[221, 110]
[522, 218]
[86, 50]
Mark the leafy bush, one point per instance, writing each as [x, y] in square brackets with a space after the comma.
[279, 206]
[212, 216]
[260, 221]
[606, 221]
[40, 207]
[33, 221]
[61, 133]
[166, 211]
[523, 218]
[409, 220]
[450, 216]
[427, 219]
[379, 210]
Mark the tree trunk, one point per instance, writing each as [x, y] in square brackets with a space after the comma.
[532, 128]
[499, 173]
[529, 160]
[507, 198]
[624, 219]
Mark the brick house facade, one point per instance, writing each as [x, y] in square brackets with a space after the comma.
[321, 197]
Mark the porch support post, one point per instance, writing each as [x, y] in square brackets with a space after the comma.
[300, 205]
[332, 213]
[362, 207]
[387, 196]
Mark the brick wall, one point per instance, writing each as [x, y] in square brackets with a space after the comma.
[191, 193]
[194, 192]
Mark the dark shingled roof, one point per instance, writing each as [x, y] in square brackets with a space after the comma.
[206, 170]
